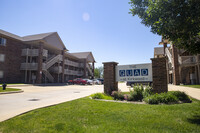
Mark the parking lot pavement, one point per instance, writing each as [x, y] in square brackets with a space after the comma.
[35, 97]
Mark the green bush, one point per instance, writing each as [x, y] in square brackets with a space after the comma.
[117, 95]
[136, 94]
[181, 96]
[166, 98]
[101, 96]
[147, 91]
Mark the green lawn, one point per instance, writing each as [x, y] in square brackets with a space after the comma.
[87, 115]
[8, 89]
[193, 86]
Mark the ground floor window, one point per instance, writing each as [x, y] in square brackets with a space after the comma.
[1, 74]
[2, 57]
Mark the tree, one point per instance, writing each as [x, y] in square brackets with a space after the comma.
[98, 72]
[176, 20]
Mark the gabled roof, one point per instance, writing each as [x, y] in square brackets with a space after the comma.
[10, 35]
[84, 55]
[36, 36]
[159, 51]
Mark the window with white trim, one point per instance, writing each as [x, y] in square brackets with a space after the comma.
[2, 57]
[1, 74]
[2, 42]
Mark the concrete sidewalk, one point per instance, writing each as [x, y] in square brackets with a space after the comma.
[35, 97]
[193, 92]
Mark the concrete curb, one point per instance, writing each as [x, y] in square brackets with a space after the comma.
[11, 92]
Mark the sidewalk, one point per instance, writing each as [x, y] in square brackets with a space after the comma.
[193, 92]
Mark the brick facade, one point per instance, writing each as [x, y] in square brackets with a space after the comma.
[159, 73]
[110, 83]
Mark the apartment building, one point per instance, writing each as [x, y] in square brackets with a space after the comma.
[41, 58]
[182, 67]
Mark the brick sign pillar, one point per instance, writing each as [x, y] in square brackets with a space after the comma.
[110, 83]
[159, 75]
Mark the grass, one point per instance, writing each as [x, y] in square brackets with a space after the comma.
[8, 89]
[86, 115]
[193, 86]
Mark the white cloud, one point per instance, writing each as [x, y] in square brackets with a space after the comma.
[86, 16]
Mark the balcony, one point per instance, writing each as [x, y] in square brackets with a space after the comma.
[31, 66]
[33, 52]
[188, 60]
[72, 72]
[72, 63]
[57, 69]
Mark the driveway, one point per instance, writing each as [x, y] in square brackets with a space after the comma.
[35, 97]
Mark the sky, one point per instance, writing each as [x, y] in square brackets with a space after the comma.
[103, 27]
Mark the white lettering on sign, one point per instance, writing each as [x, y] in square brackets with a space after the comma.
[137, 73]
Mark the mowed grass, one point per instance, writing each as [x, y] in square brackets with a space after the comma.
[8, 89]
[193, 86]
[86, 115]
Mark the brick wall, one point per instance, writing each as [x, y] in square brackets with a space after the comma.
[159, 73]
[11, 65]
[110, 83]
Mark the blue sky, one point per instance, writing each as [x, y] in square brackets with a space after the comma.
[102, 26]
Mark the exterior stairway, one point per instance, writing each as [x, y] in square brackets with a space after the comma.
[50, 62]
[89, 69]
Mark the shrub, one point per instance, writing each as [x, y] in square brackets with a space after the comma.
[137, 93]
[161, 98]
[117, 95]
[148, 91]
[101, 96]
[181, 96]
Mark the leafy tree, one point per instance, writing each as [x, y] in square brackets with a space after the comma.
[98, 72]
[176, 20]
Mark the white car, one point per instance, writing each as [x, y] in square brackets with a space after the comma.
[96, 82]
[89, 82]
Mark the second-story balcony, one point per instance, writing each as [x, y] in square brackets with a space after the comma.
[33, 52]
[31, 66]
[72, 72]
[57, 69]
[189, 60]
[72, 63]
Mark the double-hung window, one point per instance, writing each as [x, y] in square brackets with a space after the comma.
[2, 41]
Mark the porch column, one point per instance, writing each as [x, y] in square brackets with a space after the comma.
[84, 66]
[63, 65]
[93, 70]
[40, 61]
[176, 76]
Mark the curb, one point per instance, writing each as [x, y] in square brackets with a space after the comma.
[11, 92]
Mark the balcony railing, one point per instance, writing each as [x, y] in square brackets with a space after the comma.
[31, 66]
[72, 72]
[57, 69]
[72, 63]
[33, 52]
[187, 60]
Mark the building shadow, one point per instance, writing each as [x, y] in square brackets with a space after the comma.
[194, 120]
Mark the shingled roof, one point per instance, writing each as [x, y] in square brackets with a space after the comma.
[159, 51]
[84, 55]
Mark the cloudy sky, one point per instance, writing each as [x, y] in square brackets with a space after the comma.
[102, 26]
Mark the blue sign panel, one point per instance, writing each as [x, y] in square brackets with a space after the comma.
[122, 73]
[144, 72]
[129, 73]
[136, 72]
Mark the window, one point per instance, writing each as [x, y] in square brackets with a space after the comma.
[2, 42]
[1, 74]
[2, 57]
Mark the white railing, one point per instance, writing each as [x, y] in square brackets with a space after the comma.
[168, 55]
[72, 72]
[31, 66]
[72, 63]
[33, 52]
[49, 76]
[183, 60]
[57, 69]
[53, 60]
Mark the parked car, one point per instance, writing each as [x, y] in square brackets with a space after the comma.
[102, 80]
[77, 81]
[89, 82]
[97, 82]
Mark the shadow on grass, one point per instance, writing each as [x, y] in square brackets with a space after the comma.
[195, 119]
